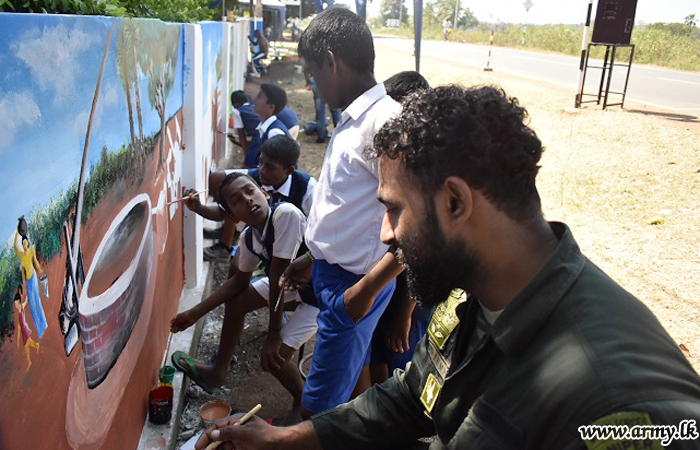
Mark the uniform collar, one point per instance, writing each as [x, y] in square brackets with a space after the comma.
[531, 308]
[285, 189]
[265, 125]
[363, 102]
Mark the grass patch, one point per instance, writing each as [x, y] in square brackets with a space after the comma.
[658, 44]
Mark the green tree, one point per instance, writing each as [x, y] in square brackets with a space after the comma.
[690, 21]
[389, 9]
[162, 42]
[167, 10]
[125, 63]
[438, 10]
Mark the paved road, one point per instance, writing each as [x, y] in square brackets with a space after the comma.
[678, 92]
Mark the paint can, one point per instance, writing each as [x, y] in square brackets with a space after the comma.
[44, 283]
[160, 404]
[166, 374]
[213, 410]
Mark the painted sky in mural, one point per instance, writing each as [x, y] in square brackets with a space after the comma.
[45, 107]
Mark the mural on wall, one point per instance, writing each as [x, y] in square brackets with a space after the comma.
[91, 157]
[213, 98]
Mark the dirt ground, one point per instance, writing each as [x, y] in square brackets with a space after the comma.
[626, 181]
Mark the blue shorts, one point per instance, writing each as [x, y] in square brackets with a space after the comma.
[341, 345]
[383, 354]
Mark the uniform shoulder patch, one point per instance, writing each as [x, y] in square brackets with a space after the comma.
[622, 430]
[430, 393]
[445, 319]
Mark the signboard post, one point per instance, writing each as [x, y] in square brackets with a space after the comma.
[527, 4]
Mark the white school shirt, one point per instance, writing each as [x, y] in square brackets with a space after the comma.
[346, 218]
[289, 224]
[262, 128]
[237, 120]
[306, 200]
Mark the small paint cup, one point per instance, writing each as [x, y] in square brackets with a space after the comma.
[160, 404]
[166, 374]
[213, 411]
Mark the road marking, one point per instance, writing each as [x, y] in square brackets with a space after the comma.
[656, 105]
[567, 64]
[679, 81]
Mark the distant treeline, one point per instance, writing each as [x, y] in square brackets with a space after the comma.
[45, 225]
[674, 45]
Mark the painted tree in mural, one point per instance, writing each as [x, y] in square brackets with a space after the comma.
[159, 59]
[128, 40]
[124, 63]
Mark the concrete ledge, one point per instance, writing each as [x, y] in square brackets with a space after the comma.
[164, 436]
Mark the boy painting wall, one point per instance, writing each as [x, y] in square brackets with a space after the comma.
[272, 239]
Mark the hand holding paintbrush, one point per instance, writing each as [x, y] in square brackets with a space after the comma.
[225, 424]
[190, 195]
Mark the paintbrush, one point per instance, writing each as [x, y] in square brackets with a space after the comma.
[279, 299]
[186, 197]
[240, 421]
[167, 350]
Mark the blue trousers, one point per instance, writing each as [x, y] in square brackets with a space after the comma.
[342, 345]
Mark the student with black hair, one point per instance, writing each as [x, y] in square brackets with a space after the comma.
[402, 84]
[350, 269]
[277, 174]
[270, 101]
[404, 322]
[243, 119]
[273, 237]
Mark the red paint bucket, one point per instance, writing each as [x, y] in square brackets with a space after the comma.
[160, 404]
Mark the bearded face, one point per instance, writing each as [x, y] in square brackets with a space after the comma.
[434, 266]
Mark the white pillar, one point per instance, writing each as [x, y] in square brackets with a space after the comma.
[226, 86]
[584, 48]
[193, 170]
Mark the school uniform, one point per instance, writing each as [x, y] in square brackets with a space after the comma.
[244, 117]
[265, 130]
[343, 235]
[298, 188]
[282, 237]
[288, 118]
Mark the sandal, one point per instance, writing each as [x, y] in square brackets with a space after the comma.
[189, 369]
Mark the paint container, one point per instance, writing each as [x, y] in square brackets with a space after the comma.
[213, 411]
[160, 404]
[166, 374]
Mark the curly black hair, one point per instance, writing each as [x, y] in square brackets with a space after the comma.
[479, 134]
[342, 32]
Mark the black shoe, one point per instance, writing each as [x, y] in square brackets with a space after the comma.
[213, 233]
[218, 253]
[322, 140]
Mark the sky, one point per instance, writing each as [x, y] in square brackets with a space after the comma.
[50, 66]
[563, 11]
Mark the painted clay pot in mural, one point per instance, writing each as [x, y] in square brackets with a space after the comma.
[114, 288]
